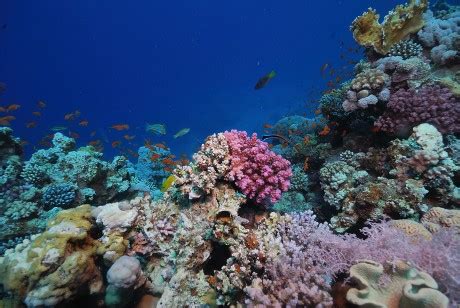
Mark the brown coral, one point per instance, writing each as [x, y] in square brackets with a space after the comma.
[398, 24]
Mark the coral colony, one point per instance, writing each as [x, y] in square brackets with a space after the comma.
[357, 207]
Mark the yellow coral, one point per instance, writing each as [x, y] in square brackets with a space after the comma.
[398, 24]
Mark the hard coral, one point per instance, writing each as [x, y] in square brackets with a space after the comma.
[398, 24]
[405, 49]
[261, 174]
[430, 104]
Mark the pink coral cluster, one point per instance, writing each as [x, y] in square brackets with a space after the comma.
[430, 104]
[260, 173]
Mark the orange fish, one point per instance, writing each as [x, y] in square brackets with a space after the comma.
[161, 146]
[83, 123]
[31, 124]
[375, 129]
[24, 142]
[95, 143]
[306, 165]
[266, 125]
[69, 117]
[116, 144]
[6, 120]
[132, 153]
[168, 161]
[41, 104]
[13, 107]
[74, 135]
[120, 127]
[128, 137]
[37, 113]
[313, 125]
[317, 111]
[2, 109]
[325, 131]
[154, 157]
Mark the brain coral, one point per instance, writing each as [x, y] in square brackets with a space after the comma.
[430, 104]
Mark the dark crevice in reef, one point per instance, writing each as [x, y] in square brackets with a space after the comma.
[219, 255]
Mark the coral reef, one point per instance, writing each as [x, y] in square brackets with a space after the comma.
[405, 49]
[430, 104]
[442, 36]
[404, 286]
[402, 21]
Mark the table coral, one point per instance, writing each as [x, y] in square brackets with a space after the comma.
[402, 21]
[393, 285]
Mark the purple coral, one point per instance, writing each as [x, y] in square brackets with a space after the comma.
[430, 104]
[260, 173]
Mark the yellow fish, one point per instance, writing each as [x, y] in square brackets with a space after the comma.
[167, 183]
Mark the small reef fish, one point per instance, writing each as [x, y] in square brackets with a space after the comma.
[128, 137]
[266, 125]
[265, 137]
[83, 123]
[41, 104]
[2, 87]
[181, 133]
[6, 120]
[120, 127]
[167, 183]
[325, 131]
[93, 133]
[263, 81]
[155, 157]
[31, 124]
[157, 129]
[69, 117]
[58, 128]
[37, 113]
[95, 143]
[12, 107]
[168, 161]
[2, 109]
[74, 135]
[116, 144]
[324, 67]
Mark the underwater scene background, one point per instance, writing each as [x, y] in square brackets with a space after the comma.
[235, 154]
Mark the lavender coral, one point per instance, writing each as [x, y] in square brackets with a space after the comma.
[430, 104]
[260, 173]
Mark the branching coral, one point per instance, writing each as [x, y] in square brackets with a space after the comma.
[257, 171]
[398, 24]
[430, 104]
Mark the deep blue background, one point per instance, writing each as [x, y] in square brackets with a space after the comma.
[182, 63]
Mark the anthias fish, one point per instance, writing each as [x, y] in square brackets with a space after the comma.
[264, 80]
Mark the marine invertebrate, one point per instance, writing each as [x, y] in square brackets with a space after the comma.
[403, 286]
[210, 164]
[442, 37]
[58, 261]
[430, 104]
[367, 88]
[405, 49]
[18, 209]
[437, 218]
[411, 72]
[58, 195]
[331, 103]
[398, 24]
[261, 174]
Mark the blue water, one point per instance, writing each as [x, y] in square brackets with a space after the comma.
[182, 63]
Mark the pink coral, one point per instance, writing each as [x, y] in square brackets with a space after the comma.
[430, 104]
[260, 173]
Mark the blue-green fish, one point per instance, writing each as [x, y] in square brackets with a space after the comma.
[182, 132]
[264, 80]
[58, 128]
[157, 129]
